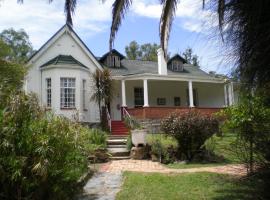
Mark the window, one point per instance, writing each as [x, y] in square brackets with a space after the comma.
[161, 101]
[138, 97]
[49, 92]
[113, 61]
[177, 101]
[84, 93]
[177, 65]
[67, 86]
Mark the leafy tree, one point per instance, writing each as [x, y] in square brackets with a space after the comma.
[250, 121]
[133, 51]
[190, 57]
[19, 44]
[11, 75]
[142, 52]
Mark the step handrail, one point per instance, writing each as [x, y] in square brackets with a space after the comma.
[126, 114]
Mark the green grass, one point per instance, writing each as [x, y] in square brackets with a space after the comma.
[223, 147]
[140, 186]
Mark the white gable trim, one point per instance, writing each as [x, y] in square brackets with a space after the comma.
[64, 30]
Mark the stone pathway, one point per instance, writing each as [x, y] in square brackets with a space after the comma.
[102, 186]
[105, 184]
[149, 166]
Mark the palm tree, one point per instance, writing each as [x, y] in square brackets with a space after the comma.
[247, 31]
[69, 9]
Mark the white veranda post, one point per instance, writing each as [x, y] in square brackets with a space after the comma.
[190, 89]
[123, 86]
[225, 95]
[145, 93]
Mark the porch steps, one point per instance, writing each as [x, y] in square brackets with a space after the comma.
[119, 128]
[117, 147]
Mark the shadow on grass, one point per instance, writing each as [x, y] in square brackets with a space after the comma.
[255, 187]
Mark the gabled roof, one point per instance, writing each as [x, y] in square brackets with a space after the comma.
[177, 56]
[63, 59]
[58, 34]
[114, 51]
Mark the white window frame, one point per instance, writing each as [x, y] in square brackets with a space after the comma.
[48, 92]
[84, 94]
[67, 93]
[177, 65]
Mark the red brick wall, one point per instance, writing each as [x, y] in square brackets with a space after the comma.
[161, 112]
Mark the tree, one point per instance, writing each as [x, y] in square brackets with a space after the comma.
[103, 90]
[190, 57]
[146, 51]
[133, 51]
[20, 47]
[11, 75]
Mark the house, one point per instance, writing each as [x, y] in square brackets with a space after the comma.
[60, 74]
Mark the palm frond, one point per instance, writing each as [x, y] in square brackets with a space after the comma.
[118, 13]
[70, 6]
[168, 12]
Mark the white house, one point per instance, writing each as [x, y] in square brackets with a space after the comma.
[60, 75]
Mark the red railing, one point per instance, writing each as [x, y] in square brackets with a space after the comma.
[161, 112]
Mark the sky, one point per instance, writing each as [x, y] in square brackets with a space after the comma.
[193, 26]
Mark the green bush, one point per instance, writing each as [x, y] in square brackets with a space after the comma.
[191, 130]
[162, 146]
[129, 142]
[96, 137]
[132, 123]
[42, 156]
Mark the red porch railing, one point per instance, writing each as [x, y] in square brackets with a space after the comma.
[161, 112]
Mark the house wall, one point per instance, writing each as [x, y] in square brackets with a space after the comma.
[90, 113]
[209, 94]
[35, 79]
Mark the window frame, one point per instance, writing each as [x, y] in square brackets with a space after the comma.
[177, 65]
[48, 82]
[175, 100]
[161, 101]
[139, 98]
[69, 93]
[84, 94]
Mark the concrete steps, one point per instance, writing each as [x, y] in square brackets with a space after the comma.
[117, 147]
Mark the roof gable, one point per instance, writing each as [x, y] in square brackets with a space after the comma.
[66, 29]
[114, 52]
[177, 57]
[63, 59]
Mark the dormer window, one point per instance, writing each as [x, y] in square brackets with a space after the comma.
[177, 65]
[113, 61]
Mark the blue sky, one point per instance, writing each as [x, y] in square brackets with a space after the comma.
[192, 27]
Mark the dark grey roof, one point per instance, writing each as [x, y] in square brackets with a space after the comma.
[63, 59]
[131, 67]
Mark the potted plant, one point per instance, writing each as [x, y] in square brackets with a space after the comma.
[138, 133]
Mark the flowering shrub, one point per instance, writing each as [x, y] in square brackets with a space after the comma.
[191, 130]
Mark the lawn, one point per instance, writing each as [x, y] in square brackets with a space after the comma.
[223, 147]
[139, 186]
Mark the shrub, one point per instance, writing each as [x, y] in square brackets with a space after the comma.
[96, 137]
[162, 146]
[42, 156]
[132, 123]
[190, 129]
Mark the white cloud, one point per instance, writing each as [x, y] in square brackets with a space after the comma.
[192, 17]
[41, 19]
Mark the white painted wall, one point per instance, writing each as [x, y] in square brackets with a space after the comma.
[209, 94]
[35, 79]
